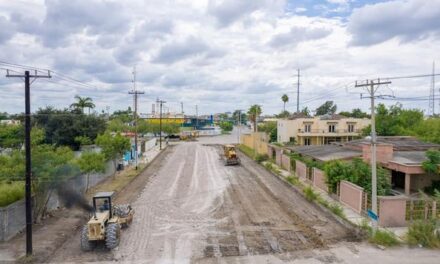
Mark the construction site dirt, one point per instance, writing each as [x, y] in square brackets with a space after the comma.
[191, 208]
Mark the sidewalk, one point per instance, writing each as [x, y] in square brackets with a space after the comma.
[349, 213]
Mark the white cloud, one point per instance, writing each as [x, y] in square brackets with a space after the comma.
[221, 55]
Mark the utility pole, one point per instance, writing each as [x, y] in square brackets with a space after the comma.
[197, 117]
[372, 87]
[297, 94]
[160, 102]
[27, 134]
[431, 107]
[135, 93]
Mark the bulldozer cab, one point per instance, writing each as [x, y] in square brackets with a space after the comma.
[229, 149]
[102, 202]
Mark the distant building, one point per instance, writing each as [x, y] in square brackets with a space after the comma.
[10, 122]
[319, 130]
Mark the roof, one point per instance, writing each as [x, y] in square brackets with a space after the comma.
[409, 157]
[327, 152]
[103, 194]
[400, 143]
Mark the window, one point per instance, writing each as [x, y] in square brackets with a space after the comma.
[307, 141]
[307, 128]
[350, 128]
[331, 128]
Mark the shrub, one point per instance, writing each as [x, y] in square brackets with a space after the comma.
[337, 210]
[423, 233]
[383, 238]
[293, 180]
[11, 192]
[310, 194]
[261, 157]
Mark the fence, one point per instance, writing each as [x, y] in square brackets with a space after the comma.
[285, 162]
[421, 209]
[301, 169]
[12, 220]
[12, 217]
[351, 195]
[392, 210]
[319, 180]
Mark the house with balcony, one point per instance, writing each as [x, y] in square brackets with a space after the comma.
[320, 130]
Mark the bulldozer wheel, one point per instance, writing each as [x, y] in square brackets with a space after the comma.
[112, 235]
[86, 244]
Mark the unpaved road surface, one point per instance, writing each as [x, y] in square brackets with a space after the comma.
[195, 209]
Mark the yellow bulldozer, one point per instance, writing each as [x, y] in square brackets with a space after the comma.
[105, 223]
[230, 155]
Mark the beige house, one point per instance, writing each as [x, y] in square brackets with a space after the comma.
[320, 130]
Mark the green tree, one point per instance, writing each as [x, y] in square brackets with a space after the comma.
[283, 114]
[428, 130]
[11, 136]
[269, 128]
[431, 165]
[63, 126]
[83, 102]
[285, 99]
[83, 141]
[226, 126]
[253, 113]
[113, 147]
[91, 162]
[328, 108]
[235, 116]
[305, 111]
[357, 172]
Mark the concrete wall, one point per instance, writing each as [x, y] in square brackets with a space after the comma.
[258, 140]
[285, 162]
[12, 220]
[392, 211]
[351, 195]
[301, 169]
[319, 179]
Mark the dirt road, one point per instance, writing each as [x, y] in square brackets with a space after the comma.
[194, 209]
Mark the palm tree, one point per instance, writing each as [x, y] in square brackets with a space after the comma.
[83, 102]
[253, 113]
[285, 99]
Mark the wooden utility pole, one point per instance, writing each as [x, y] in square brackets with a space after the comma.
[135, 94]
[372, 86]
[27, 134]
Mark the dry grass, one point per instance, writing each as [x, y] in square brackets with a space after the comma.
[118, 181]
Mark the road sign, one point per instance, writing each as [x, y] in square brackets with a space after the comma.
[372, 215]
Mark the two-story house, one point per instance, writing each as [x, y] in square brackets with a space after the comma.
[320, 130]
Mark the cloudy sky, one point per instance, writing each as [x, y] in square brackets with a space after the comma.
[220, 55]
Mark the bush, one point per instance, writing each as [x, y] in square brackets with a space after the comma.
[226, 126]
[423, 233]
[310, 194]
[337, 210]
[293, 180]
[11, 192]
[383, 238]
[261, 157]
